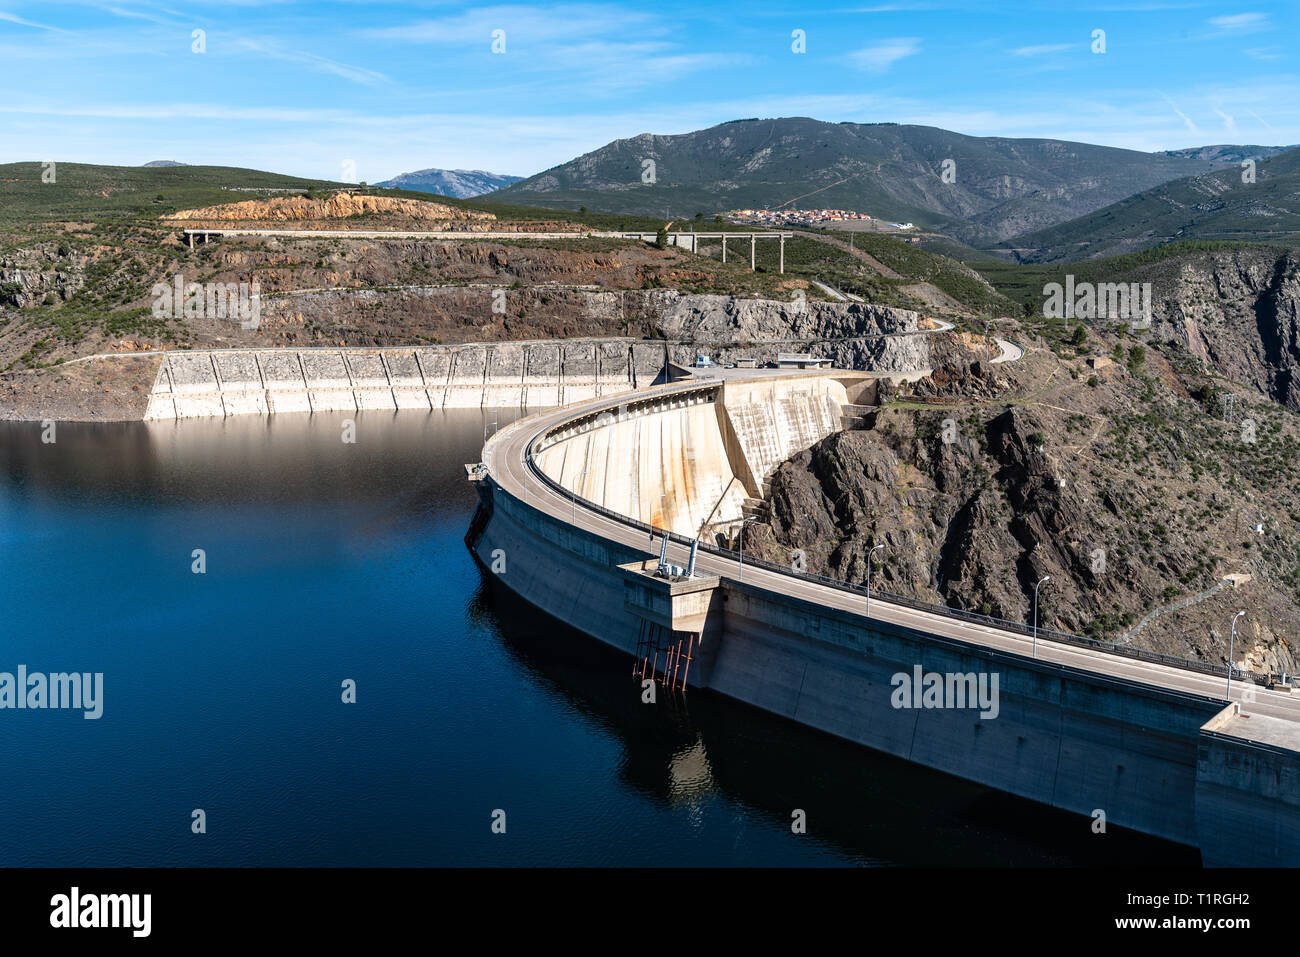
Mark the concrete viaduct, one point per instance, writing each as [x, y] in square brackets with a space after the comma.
[683, 240]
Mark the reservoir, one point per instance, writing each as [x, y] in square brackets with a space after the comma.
[325, 561]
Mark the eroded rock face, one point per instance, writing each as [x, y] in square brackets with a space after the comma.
[43, 272]
[1109, 489]
[280, 209]
[1238, 310]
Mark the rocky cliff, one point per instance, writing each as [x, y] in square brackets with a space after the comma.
[1117, 485]
[1239, 310]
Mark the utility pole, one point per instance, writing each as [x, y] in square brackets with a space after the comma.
[869, 554]
[1232, 641]
[1045, 578]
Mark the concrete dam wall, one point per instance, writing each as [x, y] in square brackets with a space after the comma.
[689, 463]
[1150, 756]
[483, 375]
[1064, 738]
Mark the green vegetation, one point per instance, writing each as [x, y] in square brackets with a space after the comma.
[862, 166]
[955, 278]
[1214, 206]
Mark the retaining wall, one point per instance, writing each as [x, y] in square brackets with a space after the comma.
[484, 375]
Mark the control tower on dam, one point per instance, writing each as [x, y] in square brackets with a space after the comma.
[604, 514]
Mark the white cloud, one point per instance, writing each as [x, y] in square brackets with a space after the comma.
[1229, 123]
[523, 25]
[11, 18]
[1182, 116]
[322, 64]
[1240, 22]
[1044, 49]
[881, 57]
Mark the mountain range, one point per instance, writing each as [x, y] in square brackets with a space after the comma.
[457, 183]
[979, 190]
[1240, 203]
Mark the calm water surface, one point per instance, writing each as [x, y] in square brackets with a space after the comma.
[329, 561]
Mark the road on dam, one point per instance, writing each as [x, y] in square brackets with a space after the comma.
[505, 458]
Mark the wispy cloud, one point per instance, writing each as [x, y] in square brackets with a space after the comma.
[356, 74]
[882, 56]
[1044, 49]
[11, 18]
[1229, 123]
[1191, 127]
[523, 26]
[1264, 53]
[1262, 121]
[1240, 22]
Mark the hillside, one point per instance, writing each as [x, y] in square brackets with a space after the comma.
[1206, 207]
[1123, 484]
[82, 192]
[1003, 187]
[460, 183]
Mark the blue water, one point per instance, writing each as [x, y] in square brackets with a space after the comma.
[328, 561]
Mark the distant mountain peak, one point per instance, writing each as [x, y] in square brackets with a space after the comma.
[457, 183]
[157, 163]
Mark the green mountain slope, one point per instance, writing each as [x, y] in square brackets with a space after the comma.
[1209, 207]
[1001, 187]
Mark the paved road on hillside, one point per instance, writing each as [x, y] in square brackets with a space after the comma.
[505, 459]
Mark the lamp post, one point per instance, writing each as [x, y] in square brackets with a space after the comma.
[1045, 578]
[1232, 641]
[869, 554]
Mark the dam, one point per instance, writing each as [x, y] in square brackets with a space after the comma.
[576, 503]
[224, 382]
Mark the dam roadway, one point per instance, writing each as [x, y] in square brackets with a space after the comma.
[1263, 801]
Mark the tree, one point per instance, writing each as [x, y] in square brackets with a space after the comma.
[1080, 336]
[582, 209]
[661, 238]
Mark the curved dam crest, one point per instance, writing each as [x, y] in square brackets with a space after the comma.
[688, 464]
[1138, 745]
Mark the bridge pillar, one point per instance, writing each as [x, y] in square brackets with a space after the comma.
[190, 237]
[724, 247]
[753, 242]
[781, 268]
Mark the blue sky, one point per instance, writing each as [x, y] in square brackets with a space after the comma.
[307, 88]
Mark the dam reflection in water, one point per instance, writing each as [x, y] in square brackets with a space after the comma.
[327, 561]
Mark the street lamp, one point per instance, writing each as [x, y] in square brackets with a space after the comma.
[740, 572]
[1232, 641]
[1045, 578]
[869, 554]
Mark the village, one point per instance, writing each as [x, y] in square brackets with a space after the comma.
[805, 217]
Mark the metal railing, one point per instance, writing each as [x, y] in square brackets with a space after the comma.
[916, 604]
